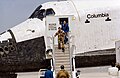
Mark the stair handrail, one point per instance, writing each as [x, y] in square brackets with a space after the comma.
[50, 38]
[51, 46]
[72, 37]
[53, 38]
[71, 46]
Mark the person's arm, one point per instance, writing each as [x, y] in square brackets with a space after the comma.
[56, 34]
[62, 26]
[67, 74]
[52, 75]
[57, 75]
[67, 28]
[63, 35]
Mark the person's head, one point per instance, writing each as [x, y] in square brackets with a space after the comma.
[59, 28]
[49, 68]
[62, 66]
[64, 22]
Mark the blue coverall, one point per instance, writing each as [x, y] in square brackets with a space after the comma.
[48, 74]
[65, 28]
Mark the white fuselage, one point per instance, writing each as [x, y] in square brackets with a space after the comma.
[98, 34]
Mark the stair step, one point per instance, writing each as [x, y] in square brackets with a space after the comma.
[62, 55]
[66, 48]
[58, 48]
[61, 47]
[58, 67]
[67, 51]
[64, 45]
[56, 53]
[63, 60]
[58, 71]
[65, 63]
[60, 51]
[66, 67]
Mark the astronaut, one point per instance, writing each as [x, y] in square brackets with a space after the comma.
[61, 36]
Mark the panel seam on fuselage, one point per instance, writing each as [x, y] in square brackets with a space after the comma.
[76, 9]
[13, 37]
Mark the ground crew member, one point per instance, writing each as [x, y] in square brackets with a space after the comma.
[62, 73]
[49, 73]
[61, 36]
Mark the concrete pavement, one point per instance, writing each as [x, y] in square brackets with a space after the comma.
[94, 72]
[89, 72]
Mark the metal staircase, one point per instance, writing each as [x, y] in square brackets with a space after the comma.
[62, 58]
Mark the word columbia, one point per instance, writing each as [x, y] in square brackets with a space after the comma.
[97, 15]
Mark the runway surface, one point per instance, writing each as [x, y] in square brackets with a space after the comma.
[89, 72]
[94, 72]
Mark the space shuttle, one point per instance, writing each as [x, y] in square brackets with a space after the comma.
[95, 25]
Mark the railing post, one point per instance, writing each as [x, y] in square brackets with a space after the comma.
[69, 45]
[50, 41]
[71, 49]
[53, 54]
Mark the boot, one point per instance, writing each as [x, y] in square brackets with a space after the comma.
[63, 50]
[59, 46]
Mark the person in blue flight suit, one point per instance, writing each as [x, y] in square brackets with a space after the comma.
[49, 73]
[65, 28]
